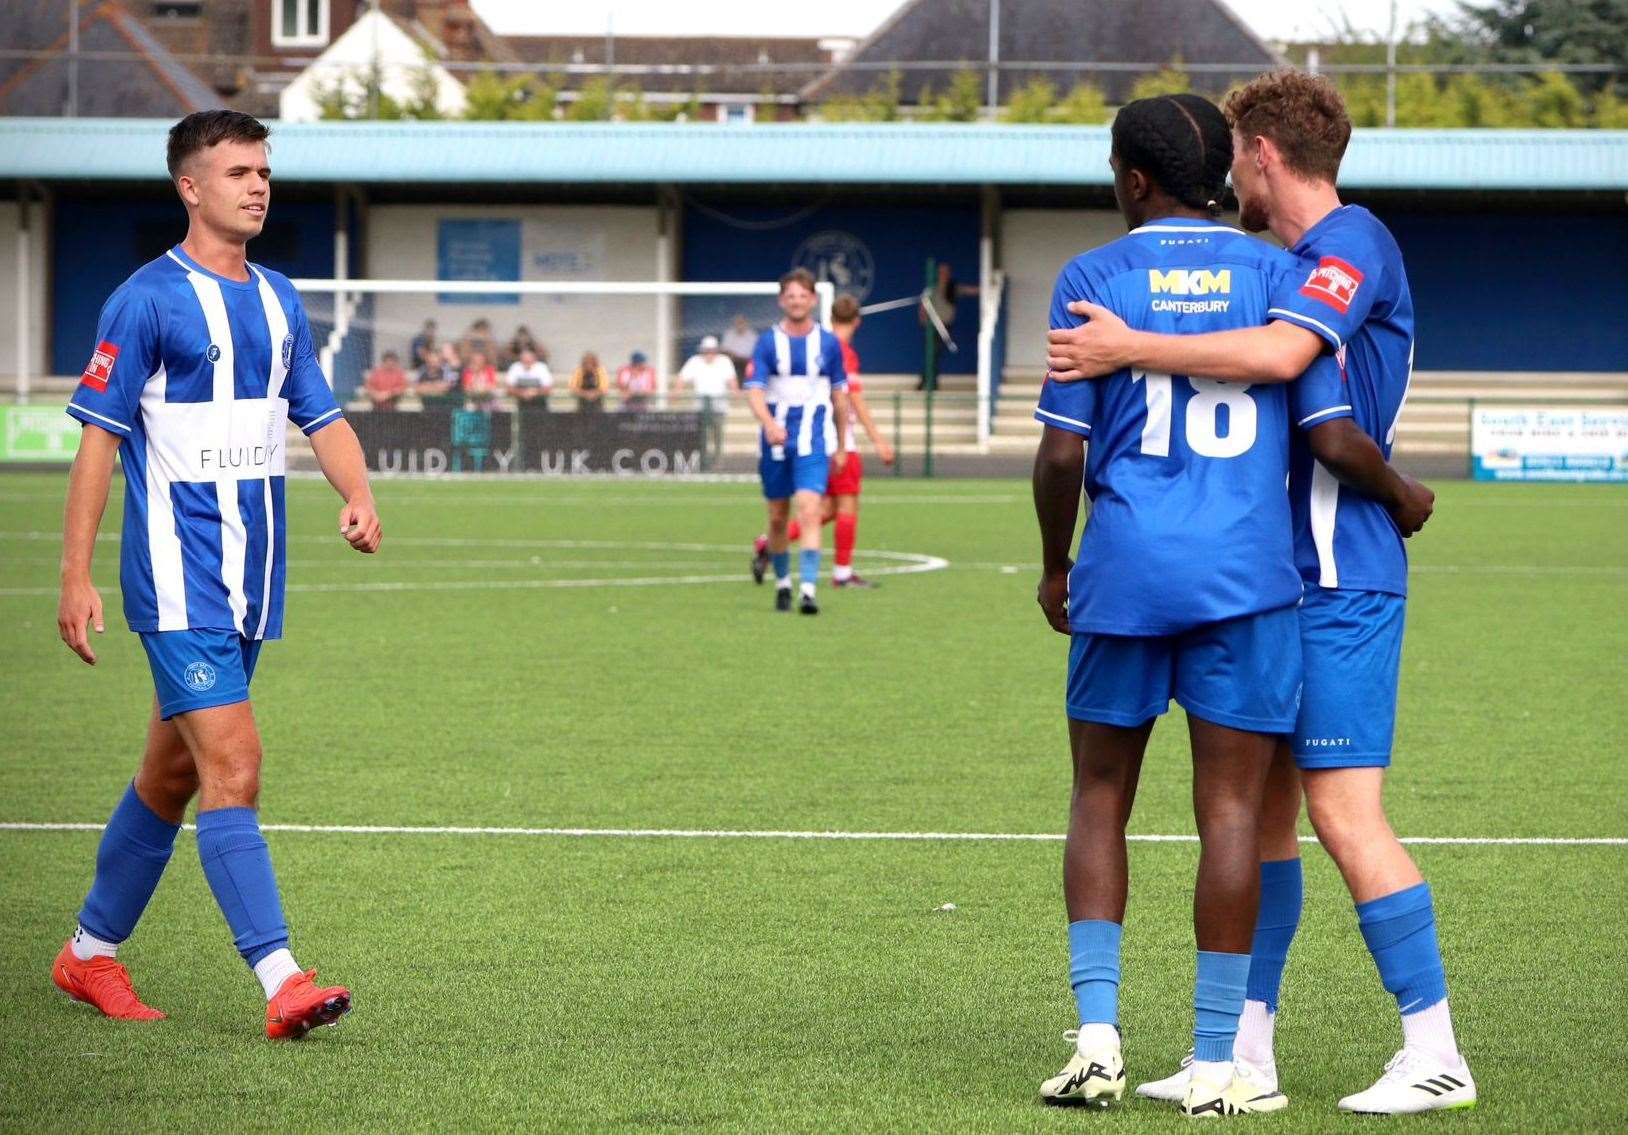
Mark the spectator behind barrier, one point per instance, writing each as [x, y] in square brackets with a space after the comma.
[479, 339]
[738, 344]
[385, 383]
[712, 376]
[441, 379]
[637, 382]
[589, 383]
[479, 383]
[529, 378]
[523, 341]
[423, 350]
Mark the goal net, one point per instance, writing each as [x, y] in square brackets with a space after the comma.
[437, 376]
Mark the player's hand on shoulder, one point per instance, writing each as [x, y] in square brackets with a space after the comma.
[1414, 505]
[1097, 347]
[81, 604]
[1052, 596]
[359, 524]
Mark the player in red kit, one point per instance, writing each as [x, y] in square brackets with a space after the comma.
[842, 493]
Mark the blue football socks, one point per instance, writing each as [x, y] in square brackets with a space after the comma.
[135, 848]
[1093, 969]
[1282, 894]
[809, 567]
[1400, 930]
[782, 566]
[1218, 999]
[237, 864]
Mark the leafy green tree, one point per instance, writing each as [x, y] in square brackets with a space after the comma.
[595, 102]
[1541, 31]
[1554, 101]
[1084, 105]
[1032, 102]
[879, 104]
[962, 102]
[1170, 80]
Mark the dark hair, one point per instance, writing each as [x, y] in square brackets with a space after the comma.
[1180, 141]
[206, 128]
[845, 309]
[1304, 116]
[798, 276]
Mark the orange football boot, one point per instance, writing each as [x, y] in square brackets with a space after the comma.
[102, 983]
[301, 1006]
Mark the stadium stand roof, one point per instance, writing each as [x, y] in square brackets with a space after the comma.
[470, 154]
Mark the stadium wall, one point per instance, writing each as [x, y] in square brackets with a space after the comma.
[1035, 245]
[528, 242]
[12, 286]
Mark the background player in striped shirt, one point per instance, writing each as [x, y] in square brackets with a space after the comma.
[201, 359]
[1351, 511]
[797, 390]
[841, 502]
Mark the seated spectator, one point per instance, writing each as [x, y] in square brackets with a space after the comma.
[479, 383]
[442, 376]
[423, 350]
[524, 341]
[385, 383]
[711, 375]
[738, 344]
[479, 338]
[529, 378]
[589, 383]
[637, 382]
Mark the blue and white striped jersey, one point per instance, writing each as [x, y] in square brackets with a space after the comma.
[797, 374]
[199, 375]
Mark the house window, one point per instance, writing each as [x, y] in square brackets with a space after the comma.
[736, 112]
[299, 23]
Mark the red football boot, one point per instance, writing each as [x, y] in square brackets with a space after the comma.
[301, 1006]
[102, 983]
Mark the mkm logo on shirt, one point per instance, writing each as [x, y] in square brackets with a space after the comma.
[1333, 281]
[1190, 282]
[199, 676]
[100, 367]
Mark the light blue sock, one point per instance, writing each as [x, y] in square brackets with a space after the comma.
[237, 864]
[136, 845]
[809, 566]
[782, 565]
[1218, 1000]
[1282, 895]
[1093, 969]
[1400, 930]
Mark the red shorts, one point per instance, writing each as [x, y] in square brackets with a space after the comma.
[846, 483]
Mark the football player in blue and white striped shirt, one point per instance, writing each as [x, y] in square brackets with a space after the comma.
[201, 359]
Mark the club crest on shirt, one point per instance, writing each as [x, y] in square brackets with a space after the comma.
[1334, 281]
[288, 351]
[199, 676]
[213, 354]
[100, 367]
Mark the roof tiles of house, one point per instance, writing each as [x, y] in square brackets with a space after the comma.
[153, 84]
[1047, 31]
[733, 55]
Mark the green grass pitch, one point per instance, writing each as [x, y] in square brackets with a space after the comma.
[474, 675]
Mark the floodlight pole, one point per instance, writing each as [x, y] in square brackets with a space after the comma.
[993, 95]
[1390, 71]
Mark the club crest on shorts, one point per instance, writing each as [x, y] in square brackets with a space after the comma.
[213, 354]
[199, 676]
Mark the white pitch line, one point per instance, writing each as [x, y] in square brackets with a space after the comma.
[727, 833]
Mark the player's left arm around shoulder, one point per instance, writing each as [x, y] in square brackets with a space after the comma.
[1059, 467]
[339, 453]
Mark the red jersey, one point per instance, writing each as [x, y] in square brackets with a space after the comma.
[850, 365]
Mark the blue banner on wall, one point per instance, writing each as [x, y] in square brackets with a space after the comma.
[876, 252]
[477, 250]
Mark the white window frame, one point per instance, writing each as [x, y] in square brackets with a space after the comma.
[746, 110]
[300, 39]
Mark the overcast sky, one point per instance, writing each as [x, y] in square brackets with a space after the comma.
[1272, 19]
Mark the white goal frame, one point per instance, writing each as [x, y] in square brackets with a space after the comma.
[341, 289]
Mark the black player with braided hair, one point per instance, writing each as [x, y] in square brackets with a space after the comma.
[1184, 588]
[1170, 155]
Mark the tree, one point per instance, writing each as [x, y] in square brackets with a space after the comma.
[595, 102]
[1032, 102]
[1084, 105]
[1170, 80]
[1542, 31]
[879, 104]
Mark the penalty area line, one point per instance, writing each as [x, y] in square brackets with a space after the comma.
[835, 836]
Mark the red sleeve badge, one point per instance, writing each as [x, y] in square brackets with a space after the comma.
[100, 367]
[1334, 282]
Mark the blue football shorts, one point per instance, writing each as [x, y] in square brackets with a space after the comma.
[200, 669]
[1243, 673]
[1352, 644]
[792, 473]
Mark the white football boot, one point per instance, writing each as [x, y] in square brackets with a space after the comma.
[1094, 1075]
[1208, 1100]
[1415, 1081]
[1171, 1089]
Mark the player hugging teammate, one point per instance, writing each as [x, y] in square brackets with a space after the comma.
[1337, 323]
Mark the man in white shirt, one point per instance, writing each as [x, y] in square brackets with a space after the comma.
[712, 376]
[529, 378]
